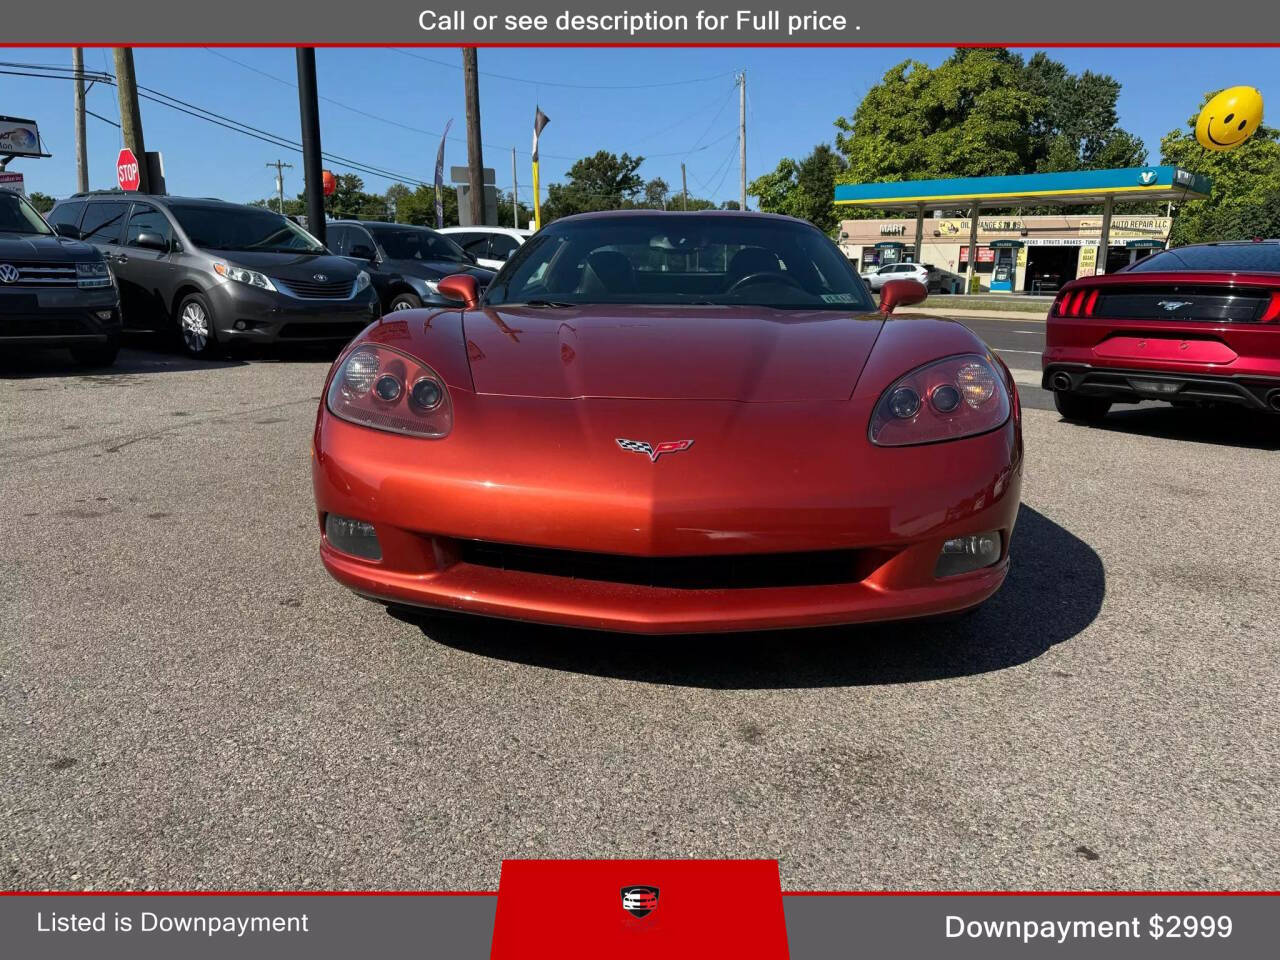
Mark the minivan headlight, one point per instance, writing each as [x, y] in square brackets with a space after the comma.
[93, 273]
[252, 277]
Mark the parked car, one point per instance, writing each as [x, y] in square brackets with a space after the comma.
[1192, 325]
[491, 246]
[404, 261]
[878, 277]
[684, 422]
[219, 273]
[54, 292]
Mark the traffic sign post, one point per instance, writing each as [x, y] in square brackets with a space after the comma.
[127, 172]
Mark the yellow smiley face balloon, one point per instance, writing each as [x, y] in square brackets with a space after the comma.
[1229, 118]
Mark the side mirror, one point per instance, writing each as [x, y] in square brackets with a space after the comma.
[462, 286]
[67, 230]
[362, 251]
[152, 241]
[901, 293]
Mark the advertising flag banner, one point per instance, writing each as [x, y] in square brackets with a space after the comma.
[440, 175]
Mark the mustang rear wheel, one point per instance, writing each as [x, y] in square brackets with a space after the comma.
[1073, 406]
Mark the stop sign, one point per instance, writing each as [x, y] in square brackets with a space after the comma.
[127, 174]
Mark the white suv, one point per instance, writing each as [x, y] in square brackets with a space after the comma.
[897, 271]
[491, 246]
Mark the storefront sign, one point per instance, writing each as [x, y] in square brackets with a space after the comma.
[985, 255]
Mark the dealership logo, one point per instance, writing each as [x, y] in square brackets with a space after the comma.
[639, 901]
[1172, 305]
[319, 277]
[9, 273]
[654, 452]
[1147, 177]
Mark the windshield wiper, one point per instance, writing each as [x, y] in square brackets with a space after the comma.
[538, 303]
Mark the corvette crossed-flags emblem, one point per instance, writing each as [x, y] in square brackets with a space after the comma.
[653, 452]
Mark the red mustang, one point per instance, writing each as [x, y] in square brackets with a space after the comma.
[668, 423]
[1192, 325]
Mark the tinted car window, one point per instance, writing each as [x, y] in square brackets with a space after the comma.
[17, 215]
[67, 214]
[416, 243]
[1245, 257]
[103, 220]
[242, 228]
[668, 260]
[147, 219]
[502, 246]
[339, 239]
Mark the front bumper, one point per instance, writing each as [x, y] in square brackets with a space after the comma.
[1135, 385]
[432, 502]
[64, 317]
[248, 315]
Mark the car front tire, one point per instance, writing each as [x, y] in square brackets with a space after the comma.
[1080, 409]
[97, 354]
[196, 332]
[404, 301]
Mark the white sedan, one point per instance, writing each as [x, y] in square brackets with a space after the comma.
[897, 271]
[491, 246]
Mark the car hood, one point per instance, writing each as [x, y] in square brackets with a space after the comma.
[291, 266]
[27, 246]
[435, 269]
[753, 354]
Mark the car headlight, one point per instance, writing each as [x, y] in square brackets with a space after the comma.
[944, 400]
[94, 273]
[362, 281]
[382, 388]
[241, 275]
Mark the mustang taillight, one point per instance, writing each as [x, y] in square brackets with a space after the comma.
[945, 400]
[1076, 303]
[380, 387]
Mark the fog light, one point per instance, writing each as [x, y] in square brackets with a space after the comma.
[105, 314]
[964, 554]
[241, 325]
[352, 536]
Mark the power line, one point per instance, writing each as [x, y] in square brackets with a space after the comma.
[570, 86]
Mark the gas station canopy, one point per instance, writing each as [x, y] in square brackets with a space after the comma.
[1076, 188]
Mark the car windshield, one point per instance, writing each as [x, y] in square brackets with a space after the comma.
[19, 216]
[671, 259]
[1241, 257]
[243, 228]
[417, 243]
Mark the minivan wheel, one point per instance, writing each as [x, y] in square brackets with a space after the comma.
[1073, 406]
[96, 354]
[195, 328]
[405, 301]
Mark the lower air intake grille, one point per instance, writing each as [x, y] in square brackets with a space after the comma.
[681, 573]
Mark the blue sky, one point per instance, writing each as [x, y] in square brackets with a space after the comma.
[793, 98]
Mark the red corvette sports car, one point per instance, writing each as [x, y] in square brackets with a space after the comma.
[668, 423]
[1192, 325]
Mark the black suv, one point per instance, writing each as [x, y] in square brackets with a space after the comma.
[405, 262]
[219, 273]
[54, 292]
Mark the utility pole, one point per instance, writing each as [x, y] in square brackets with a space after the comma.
[475, 156]
[742, 140]
[280, 166]
[131, 113]
[82, 157]
[309, 108]
[684, 186]
[515, 192]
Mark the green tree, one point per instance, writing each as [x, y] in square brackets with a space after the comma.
[42, 201]
[1245, 200]
[802, 189]
[984, 113]
[603, 181]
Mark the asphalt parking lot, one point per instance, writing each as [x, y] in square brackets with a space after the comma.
[187, 701]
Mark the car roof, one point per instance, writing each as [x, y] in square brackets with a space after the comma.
[162, 199]
[624, 214]
[378, 223]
